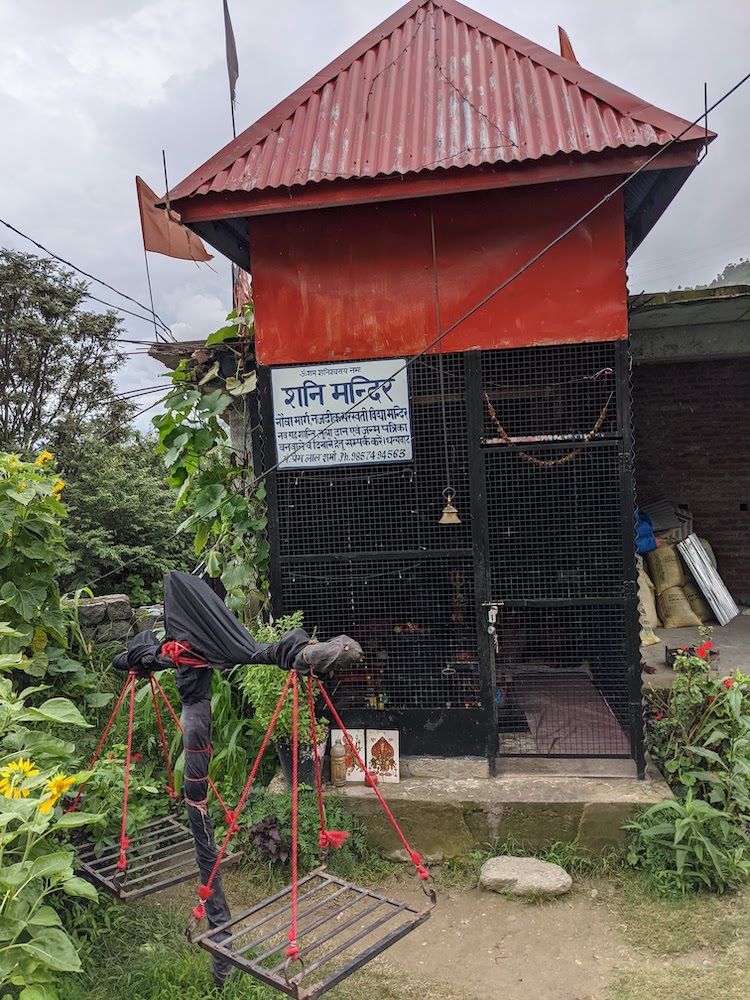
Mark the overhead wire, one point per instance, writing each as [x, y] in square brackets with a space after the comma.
[86, 274]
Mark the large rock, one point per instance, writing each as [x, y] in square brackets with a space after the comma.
[524, 877]
[91, 612]
[116, 631]
[118, 607]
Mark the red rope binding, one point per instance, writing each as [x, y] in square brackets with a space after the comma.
[124, 842]
[169, 787]
[204, 891]
[326, 838]
[414, 856]
[98, 750]
[177, 653]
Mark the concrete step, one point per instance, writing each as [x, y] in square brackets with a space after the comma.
[448, 817]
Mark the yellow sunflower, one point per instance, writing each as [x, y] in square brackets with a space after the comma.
[58, 488]
[13, 776]
[46, 456]
[55, 789]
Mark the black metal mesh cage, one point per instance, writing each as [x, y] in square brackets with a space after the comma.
[543, 435]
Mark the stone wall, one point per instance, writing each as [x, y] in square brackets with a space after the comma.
[111, 618]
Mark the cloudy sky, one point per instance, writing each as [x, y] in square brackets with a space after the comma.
[91, 91]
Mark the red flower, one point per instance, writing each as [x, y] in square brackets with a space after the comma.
[110, 756]
[708, 645]
[711, 697]
[728, 682]
[136, 756]
[660, 716]
[701, 652]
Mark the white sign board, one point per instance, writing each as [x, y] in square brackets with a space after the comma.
[341, 414]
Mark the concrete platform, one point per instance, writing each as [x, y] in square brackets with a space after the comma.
[449, 817]
[732, 641]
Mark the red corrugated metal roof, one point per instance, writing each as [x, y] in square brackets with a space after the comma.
[435, 85]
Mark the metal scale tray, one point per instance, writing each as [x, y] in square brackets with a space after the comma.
[340, 927]
[160, 856]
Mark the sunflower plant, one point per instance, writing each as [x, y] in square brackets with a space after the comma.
[37, 865]
[31, 545]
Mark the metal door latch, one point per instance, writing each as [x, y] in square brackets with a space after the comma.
[492, 626]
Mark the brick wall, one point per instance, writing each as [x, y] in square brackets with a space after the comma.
[692, 432]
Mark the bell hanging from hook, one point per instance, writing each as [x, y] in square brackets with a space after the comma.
[450, 514]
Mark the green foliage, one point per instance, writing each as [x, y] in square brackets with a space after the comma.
[57, 377]
[120, 524]
[215, 482]
[35, 863]
[141, 953]
[31, 544]
[699, 736]
[263, 684]
[104, 796]
[687, 846]
[353, 859]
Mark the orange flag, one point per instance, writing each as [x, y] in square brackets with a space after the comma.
[162, 230]
[566, 49]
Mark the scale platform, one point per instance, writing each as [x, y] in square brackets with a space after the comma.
[161, 855]
[340, 927]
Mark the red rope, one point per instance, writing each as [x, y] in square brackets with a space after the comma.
[204, 891]
[124, 842]
[98, 750]
[162, 736]
[326, 838]
[292, 951]
[318, 782]
[167, 702]
[176, 652]
[370, 780]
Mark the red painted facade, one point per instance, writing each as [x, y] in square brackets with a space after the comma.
[358, 282]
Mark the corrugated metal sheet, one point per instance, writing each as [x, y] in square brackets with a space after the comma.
[437, 85]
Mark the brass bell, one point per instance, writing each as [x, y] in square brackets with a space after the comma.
[450, 514]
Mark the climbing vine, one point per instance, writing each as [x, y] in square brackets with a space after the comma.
[213, 476]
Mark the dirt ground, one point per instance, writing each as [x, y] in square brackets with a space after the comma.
[478, 944]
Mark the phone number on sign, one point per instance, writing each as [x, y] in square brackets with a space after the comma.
[374, 455]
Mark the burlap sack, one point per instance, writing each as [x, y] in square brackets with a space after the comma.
[698, 602]
[665, 568]
[646, 598]
[674, 609]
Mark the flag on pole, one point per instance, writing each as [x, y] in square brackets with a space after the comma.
[162, 230]
[566, 49]
[233, 65]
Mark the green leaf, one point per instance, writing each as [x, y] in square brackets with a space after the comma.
[214, 563]
[214, 403]
[56, 863]
[45, 916]
[220, 336]
[37, 992]
[69, 821]
[98, 699]
[201, 537]
[80, 887]
[237, 575]
[10, 928]
[7, 515]
[212, 372]
[27, 601]
[53, 947]
[59, 710]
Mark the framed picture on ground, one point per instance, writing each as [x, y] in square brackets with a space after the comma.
[383, 754]
[353, 771]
